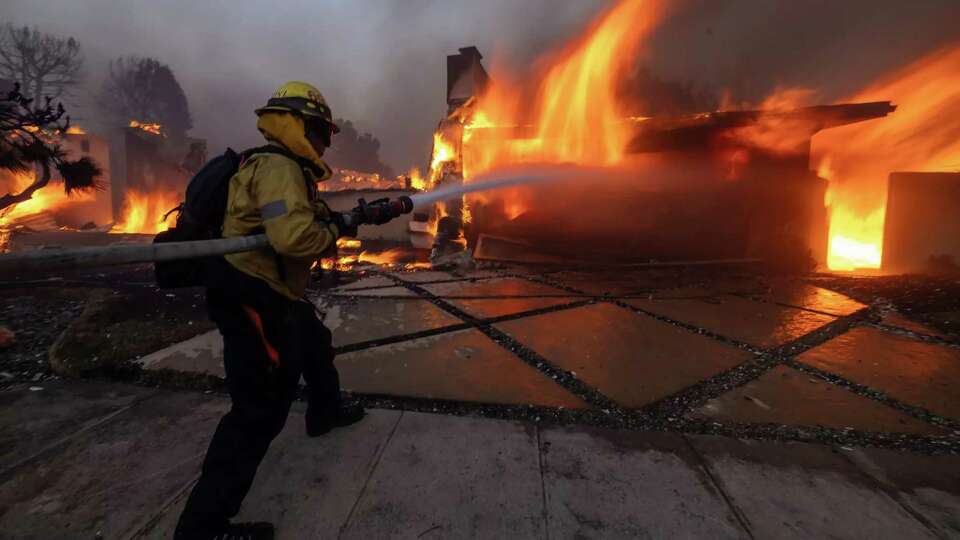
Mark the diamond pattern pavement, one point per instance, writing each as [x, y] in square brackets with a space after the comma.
[631, 358]
[418, 348]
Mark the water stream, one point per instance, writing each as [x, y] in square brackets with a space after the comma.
[504, 179]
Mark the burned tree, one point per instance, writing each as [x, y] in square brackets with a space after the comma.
[44, 64]
[28, 139]
[144, 90]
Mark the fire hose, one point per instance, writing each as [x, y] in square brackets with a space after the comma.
[376, 212]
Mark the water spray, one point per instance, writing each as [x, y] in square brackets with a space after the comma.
[499, 180]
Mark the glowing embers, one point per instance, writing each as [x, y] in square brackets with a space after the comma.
[347, 179]
[352, 253]
[152, 128]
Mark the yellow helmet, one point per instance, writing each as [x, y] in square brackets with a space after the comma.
[302, 98]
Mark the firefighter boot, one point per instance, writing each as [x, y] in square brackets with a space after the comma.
[260, 530]
[348, 414]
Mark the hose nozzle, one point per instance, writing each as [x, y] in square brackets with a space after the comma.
[379, 211]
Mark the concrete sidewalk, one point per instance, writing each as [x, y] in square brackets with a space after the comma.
[83, 457]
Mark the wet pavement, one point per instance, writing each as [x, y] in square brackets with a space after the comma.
[357, 320]
[694, 351]
[497, 297]
[786, 396]
[628, 357]
[760, 324]
[916, 373]
[455, 366]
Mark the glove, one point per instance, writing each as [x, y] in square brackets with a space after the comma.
[337, 219]
[375, 212]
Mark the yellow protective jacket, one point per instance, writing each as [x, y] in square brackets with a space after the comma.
[275, 194]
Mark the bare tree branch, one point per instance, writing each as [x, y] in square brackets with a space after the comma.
[14, 198]
[145, 90]
[45, 65]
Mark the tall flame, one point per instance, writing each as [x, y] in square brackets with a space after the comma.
[578, 116]
[923, 135]
[575, 116]
[144, 212]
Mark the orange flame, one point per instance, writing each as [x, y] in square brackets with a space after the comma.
[47, 199]
[143, 212]
[576, 116]
[416, 179]
[923, 135]
[443, 152]
[156, 129]
[391, 257]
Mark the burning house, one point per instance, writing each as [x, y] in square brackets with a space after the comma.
[790, 184]
[718, 185]
[701, 187]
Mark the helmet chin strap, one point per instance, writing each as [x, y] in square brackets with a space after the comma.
[319, 145]
[319, 140]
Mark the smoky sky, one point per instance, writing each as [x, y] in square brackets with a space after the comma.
[381, 63]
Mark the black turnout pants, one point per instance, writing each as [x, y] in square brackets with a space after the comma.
[262, 391]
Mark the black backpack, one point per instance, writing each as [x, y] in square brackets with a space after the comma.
[200, 216]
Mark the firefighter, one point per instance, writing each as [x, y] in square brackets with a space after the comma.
[271, 334]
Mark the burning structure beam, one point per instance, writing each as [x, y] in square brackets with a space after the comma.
[660, 134]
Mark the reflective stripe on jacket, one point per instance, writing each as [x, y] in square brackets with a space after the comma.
[273, 193]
